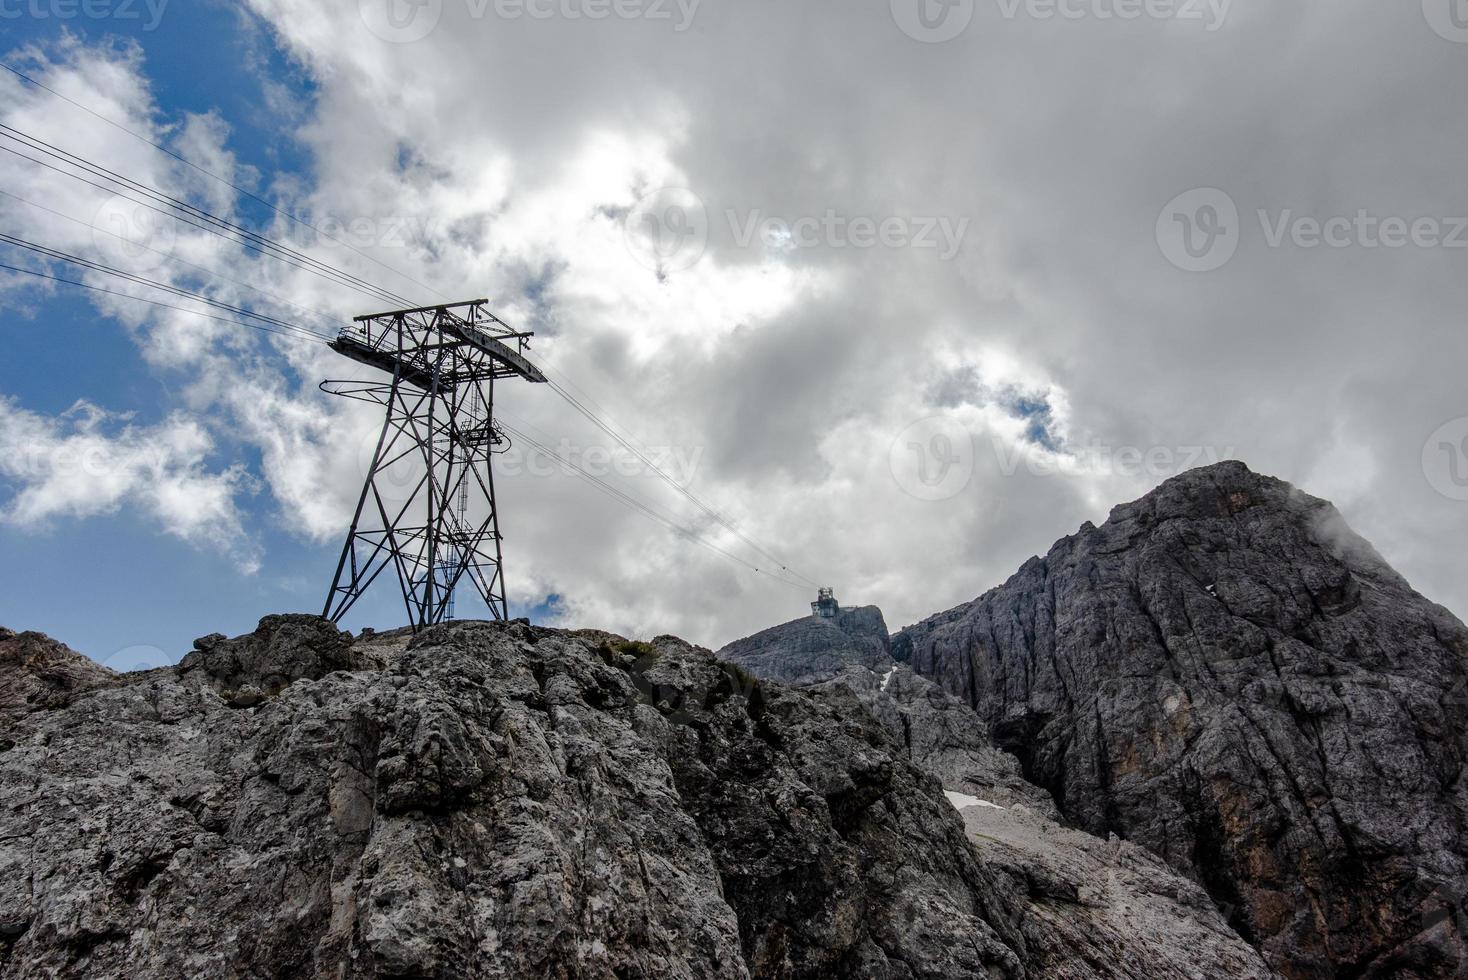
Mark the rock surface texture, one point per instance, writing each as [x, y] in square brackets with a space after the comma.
[1229, 677]
[1227, 697]
[37, 672]
[500, 801]
[937, 731]
[1091, 908]
[810, 650]
[942, 735]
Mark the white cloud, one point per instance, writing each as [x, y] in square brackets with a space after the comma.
[88, 463]
[515, 148]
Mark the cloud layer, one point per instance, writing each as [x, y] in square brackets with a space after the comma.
[905, 421]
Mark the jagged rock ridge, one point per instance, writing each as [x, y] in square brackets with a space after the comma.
[1091, 907]
[488, 801]
[502, 801]
[1225, 674]
[810, 649]
[937, 731]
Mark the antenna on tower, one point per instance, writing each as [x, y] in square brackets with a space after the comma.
[444, 361]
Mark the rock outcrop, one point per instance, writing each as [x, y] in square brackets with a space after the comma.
[1105, 908]
[494, 800]
[36, 673]
[1226, 675]
[941, 735]
[1091, 908]
[810, 650]
[936, 730]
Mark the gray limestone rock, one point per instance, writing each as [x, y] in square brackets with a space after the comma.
[37, 673]
[1092, 908]
[1228, 676]
[492, 801]
[811, 650]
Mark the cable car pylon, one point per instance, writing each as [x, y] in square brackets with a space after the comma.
[439, 430]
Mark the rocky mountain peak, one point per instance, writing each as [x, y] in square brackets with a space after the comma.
[814, 649]
[1226, 674]
[1215, 736]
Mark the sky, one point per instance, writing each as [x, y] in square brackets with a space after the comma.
[903, 291]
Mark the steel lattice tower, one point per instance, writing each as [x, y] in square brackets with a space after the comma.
[438, 524]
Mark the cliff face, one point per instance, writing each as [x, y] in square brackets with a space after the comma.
[1087, 907]
[935, 730]
[1225, 674]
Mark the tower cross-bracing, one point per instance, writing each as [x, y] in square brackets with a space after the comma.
[427, 507]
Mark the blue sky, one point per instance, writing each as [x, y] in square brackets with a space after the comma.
[116, 584]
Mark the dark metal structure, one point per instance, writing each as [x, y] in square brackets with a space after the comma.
[427, 507]
[825, 606]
